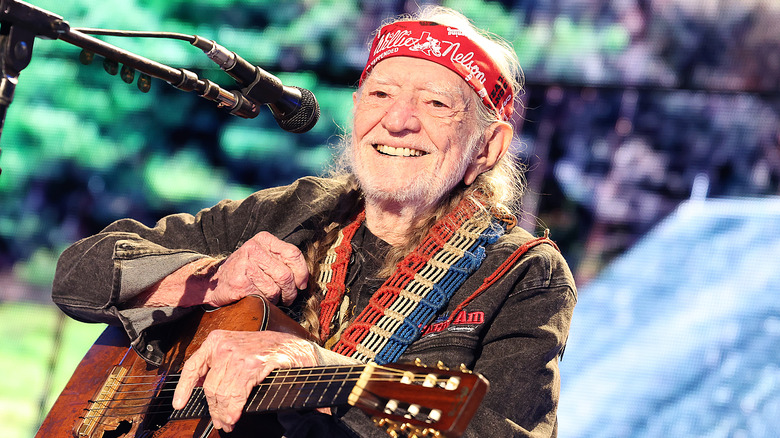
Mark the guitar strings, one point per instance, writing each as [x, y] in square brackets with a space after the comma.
[260, 386]
[104, 419]
[288, 377]
[329, 370]
[124, 411]
[161, 393]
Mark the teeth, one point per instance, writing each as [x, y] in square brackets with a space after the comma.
[398, 152]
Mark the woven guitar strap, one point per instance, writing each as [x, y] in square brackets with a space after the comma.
[421, 285]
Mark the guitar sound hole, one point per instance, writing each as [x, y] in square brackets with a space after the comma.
[160, 408]
[121, 430]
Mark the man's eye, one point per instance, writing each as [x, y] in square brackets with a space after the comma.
[380, 94]
[438, 104]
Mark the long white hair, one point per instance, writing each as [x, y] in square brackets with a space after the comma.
[505, 181]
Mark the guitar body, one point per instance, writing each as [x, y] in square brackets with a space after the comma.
[114, 393]
[127, 414]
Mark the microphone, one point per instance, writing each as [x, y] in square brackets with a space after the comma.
[295, 109]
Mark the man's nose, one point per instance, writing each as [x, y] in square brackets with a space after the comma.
[401, 116]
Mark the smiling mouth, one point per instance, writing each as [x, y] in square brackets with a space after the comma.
[398, 152]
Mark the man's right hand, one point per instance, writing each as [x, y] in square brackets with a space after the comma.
[264, 265]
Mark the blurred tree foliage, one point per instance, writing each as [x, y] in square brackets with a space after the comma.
[689, 86]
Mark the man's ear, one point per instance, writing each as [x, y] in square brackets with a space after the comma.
[498, 137]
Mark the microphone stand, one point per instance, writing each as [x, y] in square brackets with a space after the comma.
[21, 22]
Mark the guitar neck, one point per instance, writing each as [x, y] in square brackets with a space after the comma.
[298, 388]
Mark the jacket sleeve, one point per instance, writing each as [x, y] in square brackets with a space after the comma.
[96, 275]
[521, 347]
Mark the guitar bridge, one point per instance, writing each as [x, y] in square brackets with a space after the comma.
[99, 405]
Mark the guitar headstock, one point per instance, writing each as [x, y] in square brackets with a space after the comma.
[413, 400]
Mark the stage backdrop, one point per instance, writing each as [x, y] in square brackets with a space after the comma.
[651, 133]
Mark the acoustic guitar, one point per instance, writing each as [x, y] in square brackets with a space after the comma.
[114, 393]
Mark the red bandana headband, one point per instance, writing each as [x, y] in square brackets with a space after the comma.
[449, 47]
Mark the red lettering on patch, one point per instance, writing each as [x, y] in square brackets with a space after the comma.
[463, 318]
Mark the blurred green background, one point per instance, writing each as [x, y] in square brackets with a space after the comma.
[631, 108]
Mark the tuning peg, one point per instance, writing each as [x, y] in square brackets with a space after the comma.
[419, 363]
[426, 433]
[463, 369]
[440, 365]
[390, 427]
[391, 406]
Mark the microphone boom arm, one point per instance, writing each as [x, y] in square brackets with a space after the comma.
[186, 80]
[21, 22]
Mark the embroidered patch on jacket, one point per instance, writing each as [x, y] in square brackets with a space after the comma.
[464, 322]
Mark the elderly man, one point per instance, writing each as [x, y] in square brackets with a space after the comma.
[415, 235]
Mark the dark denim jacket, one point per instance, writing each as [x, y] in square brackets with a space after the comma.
[513, 333]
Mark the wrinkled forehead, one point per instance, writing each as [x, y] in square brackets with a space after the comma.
[422, 75]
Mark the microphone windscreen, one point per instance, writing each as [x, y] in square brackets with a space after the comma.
[304, 117]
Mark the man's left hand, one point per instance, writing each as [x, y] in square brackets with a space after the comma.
[231, 363]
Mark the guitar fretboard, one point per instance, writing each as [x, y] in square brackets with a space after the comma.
[300, 388]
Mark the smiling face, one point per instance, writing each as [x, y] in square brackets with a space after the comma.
[414, 132]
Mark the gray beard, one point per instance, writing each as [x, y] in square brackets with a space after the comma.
[422, 192]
